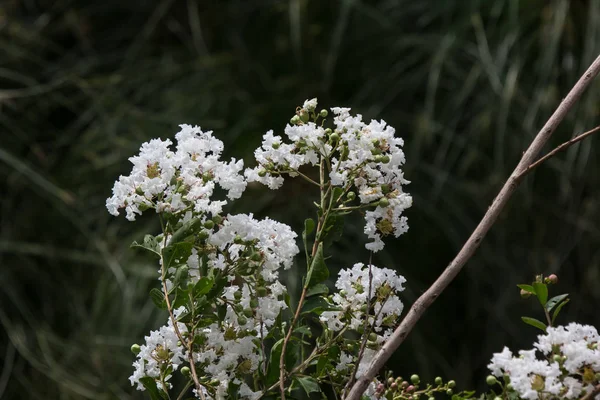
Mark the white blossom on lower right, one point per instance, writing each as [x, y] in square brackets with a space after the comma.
[569, 367]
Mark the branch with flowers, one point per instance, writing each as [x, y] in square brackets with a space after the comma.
[232, 331]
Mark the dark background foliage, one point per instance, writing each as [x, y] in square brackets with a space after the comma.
[467, 84]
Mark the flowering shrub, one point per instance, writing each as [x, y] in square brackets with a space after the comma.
[232, 331]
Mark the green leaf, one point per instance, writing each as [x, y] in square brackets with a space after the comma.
[187, 229]
[303, 330]
[557, 310]
[317, 289]
[316, 305]
[555, 300]
[527, 288]
[333, 229]
[337, 193]
[158, 298]
[273, 368]
[309, 227]
[535, 323]
[318, 271]
[322, 364]
[149, 244]
[203, 286]
[176, 254]
[309, 384]
[541, 291]
[150, 386]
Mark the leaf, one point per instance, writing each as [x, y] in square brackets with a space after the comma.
[176, 254]
[322, 364]
[203, 286]
[332, 232]
[158, 298]
[309, 227]
[150, 386]
[541, 291]
[553, 302]
[317, 289]
[557, 310]
[149, 244]
[303, 330]
[308, 383]
[337, 193]
[273, 368]
[535, 323]
[527, 288]
[318, 271]
[315, 305]
[187, 229]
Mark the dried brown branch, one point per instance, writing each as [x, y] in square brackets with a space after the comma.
[490, 217]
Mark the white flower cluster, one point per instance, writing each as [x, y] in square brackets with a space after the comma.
[381, 309]
[371, 159]
[160, 352]
[367, 157]
[569, 366]
[249, 254]
[180, 180]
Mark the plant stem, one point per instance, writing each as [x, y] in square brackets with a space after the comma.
[490, 217]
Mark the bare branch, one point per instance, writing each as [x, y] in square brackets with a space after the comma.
[423, 302]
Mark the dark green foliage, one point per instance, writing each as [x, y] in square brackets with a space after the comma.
[467, 84]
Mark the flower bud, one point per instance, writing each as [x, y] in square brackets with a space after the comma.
[304, 116]
[295, 120]
[351, 196]
[238, 239]
[242, 320]
[262, 173]
[253, 303]
[209, 224]
[217, 219]
[415, 379]
[373, 336]
[439, 380]
[328, 131]
[248, 312]
[185, 371]
[256, 256]
[411, 388]
[135, 349]
[203, 235]
[553, 279]
[524, 294]
[276, 145]
[537, 383]
[261, 291]
[323, 113]
[449, 392]
[383, 202]
[451, 384]
[334, 137]
[491, 380]
[385, 159]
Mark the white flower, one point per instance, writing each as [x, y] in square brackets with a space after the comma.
[310, 105]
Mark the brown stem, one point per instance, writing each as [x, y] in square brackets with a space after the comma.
[452, 270]
[592, 394]
[560, 148]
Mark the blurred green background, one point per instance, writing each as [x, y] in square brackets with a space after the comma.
[467, 84]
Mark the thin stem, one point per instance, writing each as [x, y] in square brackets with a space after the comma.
[490, 217]
[560, 148]
[592, 394]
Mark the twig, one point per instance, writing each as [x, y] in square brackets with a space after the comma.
[592, 394]
[560, 148]
[452, 270]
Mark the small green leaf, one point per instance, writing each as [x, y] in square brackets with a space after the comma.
[203, 286]
[187, 229]
[309, 227]
[541, 291]
[318, 271]
[158, 298]
[303, 330]
[558, 308]
[527, 288]
[273, 368]
[555, 300]
[333, 229]
[149, 244]
[317, 289]
[315, 305]
[535, 323]
[309, 384]
[322, 364]
[176, 254]
[337, 194]
[150, 386]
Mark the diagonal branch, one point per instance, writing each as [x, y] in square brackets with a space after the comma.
[452, 270]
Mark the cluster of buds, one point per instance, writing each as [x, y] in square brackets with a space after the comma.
[401, 389]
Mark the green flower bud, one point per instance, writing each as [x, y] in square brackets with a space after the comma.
[373, 336]
[185, 371]
[256, 256]
[262, 173]
[135, 349]
[245, 366]
[372, 345]
[334, 137]
[242, 320]
[375, 151]
[431, 398]
[304, 116]
[295, 120]
[439, 380]
[209, 224]
[385, 188]
[253, 303]
[537, 383]
[497, 398]
[449, 392]
[328, 131]
[248, 312]
[206, 177]
[238, 239]
[384, 202]
[415, 379]
[557, 358]
[351, 196]
[491, 380]
[385, 159]
[324, 113]
[237, 295]
[217, 219]
[238, 308]
[276, 145]
[203, 235]
[451, 384]
[261, 291]
[229, 334]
